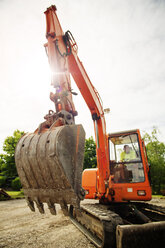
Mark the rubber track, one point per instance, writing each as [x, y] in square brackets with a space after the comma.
[108, 220]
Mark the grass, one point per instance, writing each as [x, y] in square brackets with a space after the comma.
[158, 196]
[16, 194]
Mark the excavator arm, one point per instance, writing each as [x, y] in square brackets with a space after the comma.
[62, 53]
[92, 100]
[56, 148]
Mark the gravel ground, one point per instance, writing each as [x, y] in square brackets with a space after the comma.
[19, 227]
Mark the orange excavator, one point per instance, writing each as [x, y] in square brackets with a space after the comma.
[50, 161]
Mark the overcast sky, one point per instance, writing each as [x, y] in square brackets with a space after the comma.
[121, 44]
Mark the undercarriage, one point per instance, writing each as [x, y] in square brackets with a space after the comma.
[121, 225]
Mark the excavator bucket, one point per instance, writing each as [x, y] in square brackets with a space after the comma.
[50, 167]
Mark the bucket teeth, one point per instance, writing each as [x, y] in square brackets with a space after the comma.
[50, 167]
[40, 206]
[52, 208]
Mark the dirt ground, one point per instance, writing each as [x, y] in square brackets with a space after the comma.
[19, 227]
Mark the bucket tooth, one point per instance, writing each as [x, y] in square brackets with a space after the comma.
[40, 206]
[30, 204]
[64, 208]
[52, 208]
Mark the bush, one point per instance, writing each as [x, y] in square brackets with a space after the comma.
[16, 184]
[2, 181]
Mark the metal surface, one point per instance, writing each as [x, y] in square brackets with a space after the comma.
[50, 167]
[147, 235]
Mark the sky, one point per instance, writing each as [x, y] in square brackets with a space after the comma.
[121, 44]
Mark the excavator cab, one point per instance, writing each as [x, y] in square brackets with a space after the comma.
[128, 168]
[126, 163]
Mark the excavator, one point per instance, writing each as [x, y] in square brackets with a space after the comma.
[49, 161]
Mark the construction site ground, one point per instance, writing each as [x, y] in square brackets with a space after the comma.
[19, 227]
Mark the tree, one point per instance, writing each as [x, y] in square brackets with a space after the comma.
[16, 184]
[90, 160]
[8, 170]
[156, 158]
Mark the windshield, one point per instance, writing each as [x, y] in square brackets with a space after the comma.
[125, 148]
[125, 159]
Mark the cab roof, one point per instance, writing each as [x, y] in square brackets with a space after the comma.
[123, 132]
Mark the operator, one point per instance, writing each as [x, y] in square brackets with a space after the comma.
[128, 154]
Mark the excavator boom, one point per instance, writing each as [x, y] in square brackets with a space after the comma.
[63, 59]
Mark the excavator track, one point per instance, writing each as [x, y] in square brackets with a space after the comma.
[97, 223]
[110, 225]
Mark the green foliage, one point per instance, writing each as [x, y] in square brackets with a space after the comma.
[7, 165]
[7, 161]
[11, 142]
[16, 184]
[156, 158]
[2, 180]
[90, 160]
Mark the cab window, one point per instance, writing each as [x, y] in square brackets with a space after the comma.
[125, 159]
